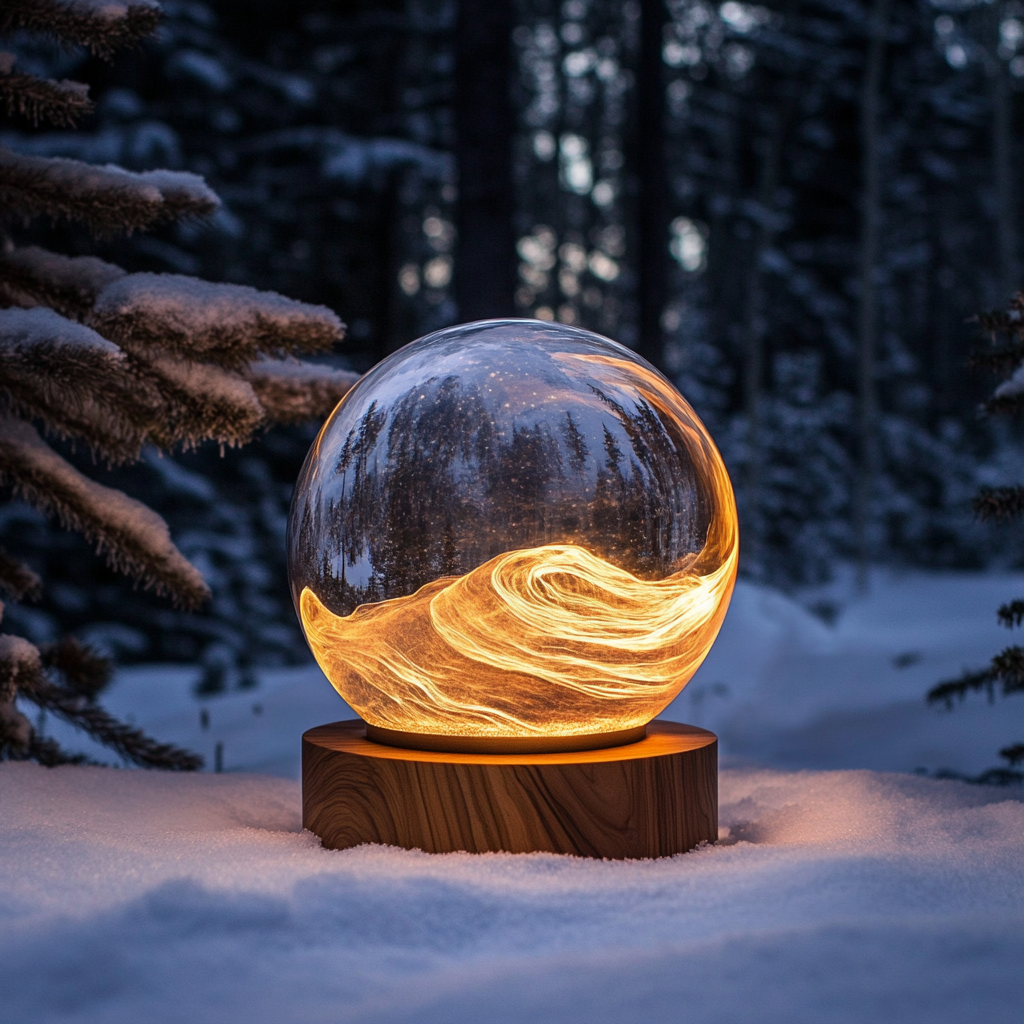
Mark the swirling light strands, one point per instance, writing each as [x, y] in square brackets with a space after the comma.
[546, 641]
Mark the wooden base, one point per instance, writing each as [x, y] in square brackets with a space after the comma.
[652, 798]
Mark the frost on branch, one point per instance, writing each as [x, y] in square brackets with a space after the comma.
[118, 361]
[228, 324]
[294, 392]
[185, 194]
[106, 199]
[133, 537]
[203, 402]
[79, 383]
[31, 276]
[104, 26]
[42, 99]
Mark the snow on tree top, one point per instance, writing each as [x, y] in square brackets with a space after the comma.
[224, 323]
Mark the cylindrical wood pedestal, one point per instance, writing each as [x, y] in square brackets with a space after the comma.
[652, 798]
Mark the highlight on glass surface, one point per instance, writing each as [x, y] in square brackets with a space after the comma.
[512, 535]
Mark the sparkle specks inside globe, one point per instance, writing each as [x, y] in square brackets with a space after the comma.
[512, 529]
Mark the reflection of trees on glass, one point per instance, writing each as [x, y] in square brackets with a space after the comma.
[433, 487]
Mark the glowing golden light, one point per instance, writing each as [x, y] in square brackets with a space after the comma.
[553, 640]
[546, 641]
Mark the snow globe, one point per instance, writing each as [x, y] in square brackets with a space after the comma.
[511, 538]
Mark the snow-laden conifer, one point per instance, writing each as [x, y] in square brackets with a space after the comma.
[119, 364]
[1005, 672]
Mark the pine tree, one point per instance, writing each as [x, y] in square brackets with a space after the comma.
[122, 364]
[1005, 672]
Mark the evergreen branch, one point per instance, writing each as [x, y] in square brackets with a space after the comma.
[997, 777]
[84, 671]
[969, 682]
[294, 392]
[1013, 754]
[1004, 359]
[83, 385]
[15, 729]
[202, 402]
[49, 753]
[133, 537]
[185, 195]
[43, 99]
[1008, 403]
[227, 324]
[999, 322]
[106, 199]
[131, 743]
[104, 26]
[67, 284]
[18, 580]
[77, 382]
[1011, 614]
[19, 664]
[1008, 668]
[998, 503]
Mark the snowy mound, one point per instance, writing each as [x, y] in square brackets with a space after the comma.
[839, 896]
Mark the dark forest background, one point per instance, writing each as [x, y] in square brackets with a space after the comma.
[793, 208]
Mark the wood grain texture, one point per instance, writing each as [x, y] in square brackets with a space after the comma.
[653, 798]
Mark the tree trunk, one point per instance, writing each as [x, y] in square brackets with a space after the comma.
[1002, 167]
[652, 205]
[383, 335]
[755, 327]
[871, 201]
[485, 266]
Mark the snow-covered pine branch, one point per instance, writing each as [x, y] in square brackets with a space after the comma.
[175, 370]
[31, 276]
[22, 673]
[131, 743]
[106, 199]
[1009, 396]
[104, 26]
[19, 663]
[186, 195]
[133, 537]
[294, 392]
[42, 99]
[80, 384]
[201, 402]
[82, 670]
[228, 324]
[17, 579]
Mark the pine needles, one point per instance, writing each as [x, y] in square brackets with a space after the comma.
[1005, 672]
[119, 361]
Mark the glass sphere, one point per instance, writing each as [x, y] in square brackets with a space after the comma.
[512, 529]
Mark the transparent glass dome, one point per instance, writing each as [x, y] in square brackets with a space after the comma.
[515, 531]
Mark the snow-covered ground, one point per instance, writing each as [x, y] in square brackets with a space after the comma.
[843, 895]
